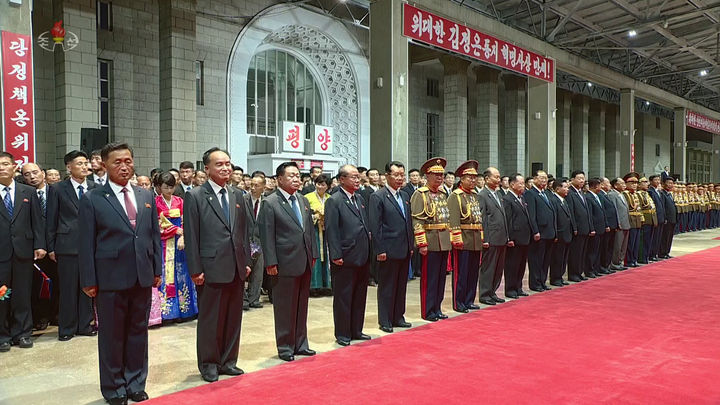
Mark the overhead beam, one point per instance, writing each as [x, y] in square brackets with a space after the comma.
[565, 19]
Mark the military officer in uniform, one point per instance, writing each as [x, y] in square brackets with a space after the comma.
[636, 218]
[650, 220]
[431, 226]
[466, 235]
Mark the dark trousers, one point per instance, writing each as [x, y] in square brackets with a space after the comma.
[47, 308]
[515, 262]
[416, 262]
[538, 262]
[76, 309]
[667, 238]
[290, 308]
[648, 234]
[123, 340]
[16, 313]
[255, 280]
[558, 261]
[491, 270]
[391, 291]
[465, 277]
[633, 246]
[576, 256]
[592, 255]
[349, 285]
[607, 244]
[656, 240]
[218, 325]
[432, 283]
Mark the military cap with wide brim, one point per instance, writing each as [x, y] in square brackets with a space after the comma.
[435, 165]
[636, 175]
[468, 168]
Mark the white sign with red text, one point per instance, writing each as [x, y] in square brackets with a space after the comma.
[324, 140]
[293, 137]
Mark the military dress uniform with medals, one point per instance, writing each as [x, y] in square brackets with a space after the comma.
[636, 221]
[650, 222]
[431, 227]
[466, 235]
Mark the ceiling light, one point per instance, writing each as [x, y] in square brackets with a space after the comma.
[590, 84]
[647, 103]
[632, 33]
[703, 72]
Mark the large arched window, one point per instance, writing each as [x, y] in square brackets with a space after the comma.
[279, 88]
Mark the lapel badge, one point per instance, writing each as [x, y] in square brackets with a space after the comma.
[237, 205]
[210, 198]
[107, 195]
[147, 205]
[25, 200]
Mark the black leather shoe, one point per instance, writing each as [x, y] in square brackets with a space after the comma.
[5, 347]
[209, 377]
[537, 289]
[138, 396]
[442, 316]
[473, 307]
[583, 278]
[462, 310]
[558, 284]
[565, 282]
[117, 401]
[487, 301]
[522, 293]
[403, 324]
[24, 343]
[497, 299]
[306, 352]
[256, 305]
[91, 332]
[546, 288]
[386, 329]
[575, 279]
[342, 342]
[633, 265]
[362, 336]
[65, 338]
[286, 357]
[233, 370]
[246, 307]
[432, 318]
[642, 262]
[42, 325]
[590, 275]
[511, 295]
[668, 256]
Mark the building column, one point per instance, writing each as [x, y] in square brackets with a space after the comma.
[483, 144]
[679, 166]
[612, 142]
[389, 67]
[455, 112]
[76, 77]
[715, 159]
[579, 133]
[596, 139]
[562, 125]
[542, 128]
[178, 117]
[627, 129]
[515, 117]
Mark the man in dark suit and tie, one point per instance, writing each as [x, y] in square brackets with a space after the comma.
[597, 216]
[668, 229]
[76, 310]
[254, 200]
[520, 234]
[23, 240]
[654, 191]
[392, 245]
[413, 183]
[185, 174]
[348, 236]
[607, 243]
[496, 239]
[99, 175]
[543, 226]
[315, 171]
[665, 174]
[565, 231]
[120, 260]
[578, 204]
[288, 244]
[218, 257]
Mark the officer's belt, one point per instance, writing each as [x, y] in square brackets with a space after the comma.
[475, 227]
[650, 211]
[437, 227]
[635, 213]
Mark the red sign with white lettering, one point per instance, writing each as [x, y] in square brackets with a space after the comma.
[699, 121]
[431, 29]
[17, 97]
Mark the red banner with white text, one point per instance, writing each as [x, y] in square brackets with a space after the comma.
[699, 121]
[17, 97]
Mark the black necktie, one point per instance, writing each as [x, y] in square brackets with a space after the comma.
[224, 204]
[81, 191]
[43, 201]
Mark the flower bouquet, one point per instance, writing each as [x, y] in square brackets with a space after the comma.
[4, 293]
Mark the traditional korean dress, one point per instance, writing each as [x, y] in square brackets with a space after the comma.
[320, 278]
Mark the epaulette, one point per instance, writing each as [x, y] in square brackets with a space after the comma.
[423, 189]
[458, 191]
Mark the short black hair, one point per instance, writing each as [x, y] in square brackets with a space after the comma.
[449, 174]
[280, 171]
[575, 173]
[505, 177]
[206, 155]
[246, 176]
[653, 177]
[187, 165]
[362, 169]
[235, 168]
[74, 154]
[372, 169]
[668, 179]
[513, 178]
[614, 181]
[112, 147]
[413, 170]
[323, 179]
[164, 178]
[155, 171]
[558, 183]
[315, 167]
[390, 164]
[174, 170]
[96, 152]
[7, 155]
[304, 175]
[594, 182]
[258, 173]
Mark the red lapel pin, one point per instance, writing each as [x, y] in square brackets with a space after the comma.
[147, 205]
[25, 200]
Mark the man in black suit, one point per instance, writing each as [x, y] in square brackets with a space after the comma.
[288, 244]
[348, 237]
[520, 234]
[607, 242]
[120, 260]
[668, 229]
[76, 310]
[254, 200]
[597, 216]
[565, 231]
[543, 226]
[315, 171]
[496, 239]
[99, 175]
[218, 257]
[185, 174]
[414, 182]
[583, 222]
[392, 245]
[23, 240]
[373, 185]
[654, 191]
[665, 174]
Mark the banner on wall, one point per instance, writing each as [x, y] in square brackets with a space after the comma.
[17, 97]
[699, 121]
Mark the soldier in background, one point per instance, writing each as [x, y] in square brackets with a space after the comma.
[636, 218]
[650, 220]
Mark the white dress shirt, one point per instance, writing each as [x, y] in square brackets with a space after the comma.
[75, 185]
[117, 190]
[103, 178]
[287, 195]
[12, 192]
[216, 189]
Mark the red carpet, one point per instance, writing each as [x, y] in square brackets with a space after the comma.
[644, 336]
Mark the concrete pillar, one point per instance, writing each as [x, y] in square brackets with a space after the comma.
[514, 150]
[596, 139]
[178, 115]
[542, 128]
[389, 65]
[76, 77]
[562, 125]
[579, 133]
[627, 128]
[483, 144]
[612, 142]
[715, 159]
[679, 166]
[455, 111]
